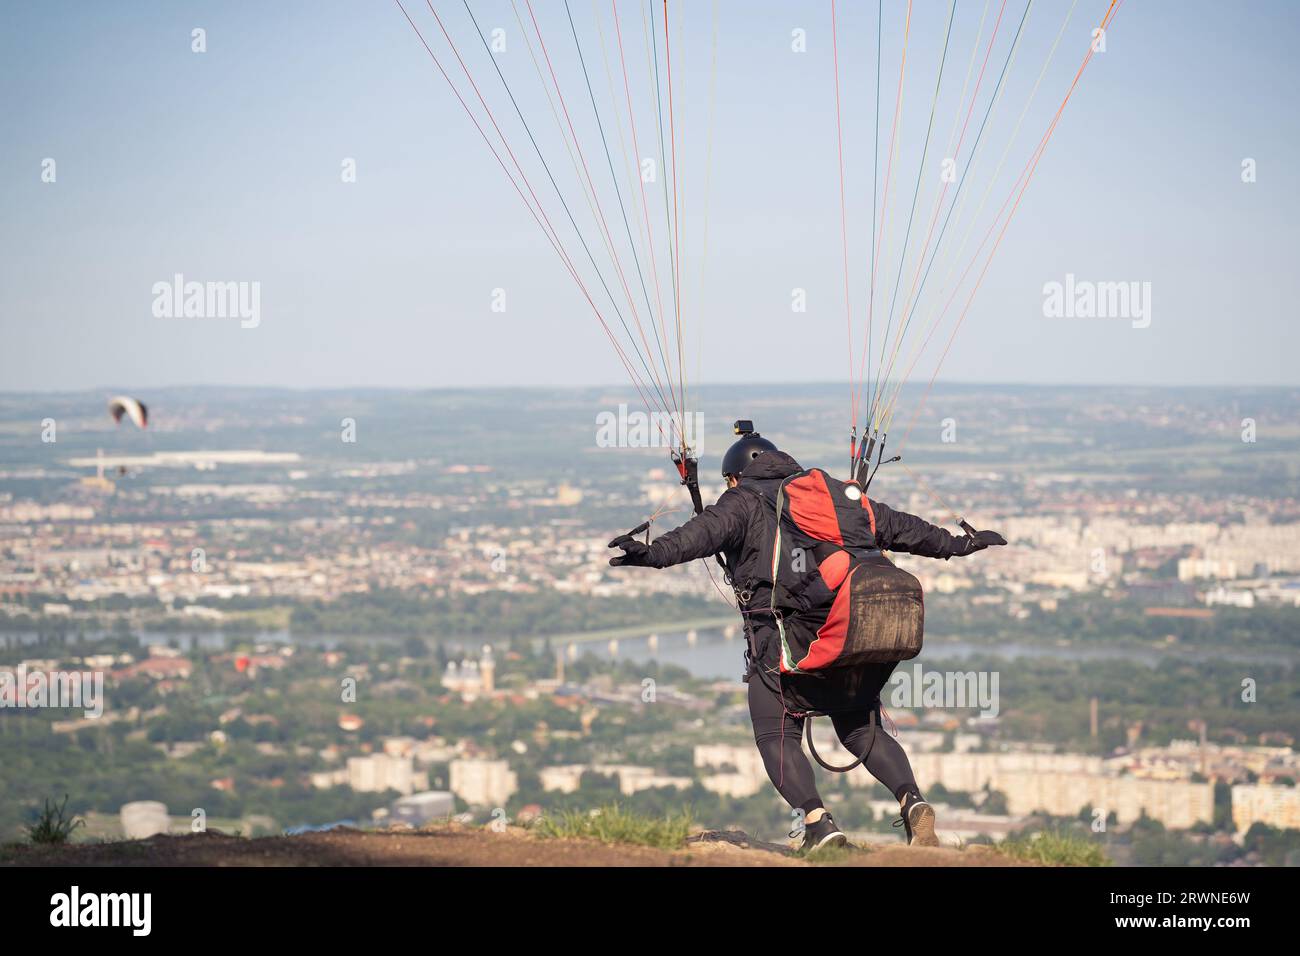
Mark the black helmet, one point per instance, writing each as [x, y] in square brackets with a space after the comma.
[742, 452]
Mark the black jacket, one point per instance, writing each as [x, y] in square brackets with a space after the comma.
[739, 528]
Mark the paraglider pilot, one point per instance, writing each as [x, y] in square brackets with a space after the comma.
[740, 526]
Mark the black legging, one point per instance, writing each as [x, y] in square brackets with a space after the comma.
[780, 736]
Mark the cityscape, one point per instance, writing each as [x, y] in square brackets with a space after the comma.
[291, 629]
[444, 445]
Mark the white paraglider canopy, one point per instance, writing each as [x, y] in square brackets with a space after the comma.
[133, 409]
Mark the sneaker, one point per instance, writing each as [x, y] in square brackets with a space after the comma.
[918, 822]
[822, 833]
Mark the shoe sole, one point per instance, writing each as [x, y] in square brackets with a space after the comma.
[923, 828]
[831, 839]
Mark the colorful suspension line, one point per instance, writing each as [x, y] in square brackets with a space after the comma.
[536, 208]
[586, 170]
[618, 192]
[915, 294]
[918, 347]
[974, 97]
[1023, 183]
[916, 192]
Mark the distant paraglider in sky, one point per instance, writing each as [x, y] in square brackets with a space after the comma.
[130, 407]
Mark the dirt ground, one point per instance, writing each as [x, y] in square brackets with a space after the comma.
[452, 845]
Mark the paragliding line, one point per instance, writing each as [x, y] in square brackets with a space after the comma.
[618, 192]
[1023, 183]
[880, 383]
[538, 214]
[916, 192]
[844, 239]
[600, 212]
[915, 294]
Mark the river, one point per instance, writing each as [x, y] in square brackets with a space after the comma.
[715, 653]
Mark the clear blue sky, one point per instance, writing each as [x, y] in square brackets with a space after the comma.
[226, 165]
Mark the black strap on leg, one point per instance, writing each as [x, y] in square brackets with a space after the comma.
[812, 748]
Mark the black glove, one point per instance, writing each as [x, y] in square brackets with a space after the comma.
[978, 542]
[636, 554]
